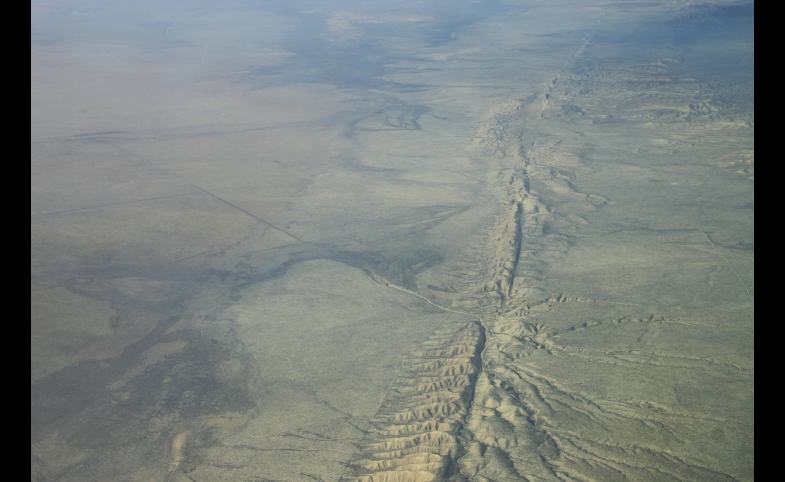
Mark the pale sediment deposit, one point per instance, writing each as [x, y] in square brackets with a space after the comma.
[575, 387]
[483, 241]
[414, 435]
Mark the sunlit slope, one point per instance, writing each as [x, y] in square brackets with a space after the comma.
[622, 343]
[350, 242]
[635, 361]
[414, 434]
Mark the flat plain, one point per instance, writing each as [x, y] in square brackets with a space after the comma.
[465, 241]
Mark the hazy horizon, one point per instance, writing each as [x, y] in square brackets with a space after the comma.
[392, 241]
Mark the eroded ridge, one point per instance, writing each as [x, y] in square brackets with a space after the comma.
[530, 418]
[528, 425]
[507, 249]
[415, 434]
[527, 235]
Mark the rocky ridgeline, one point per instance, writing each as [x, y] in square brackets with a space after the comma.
[414, 436]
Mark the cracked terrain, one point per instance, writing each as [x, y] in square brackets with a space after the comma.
[472, 241]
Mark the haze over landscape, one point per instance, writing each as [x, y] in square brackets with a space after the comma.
[392, 241]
